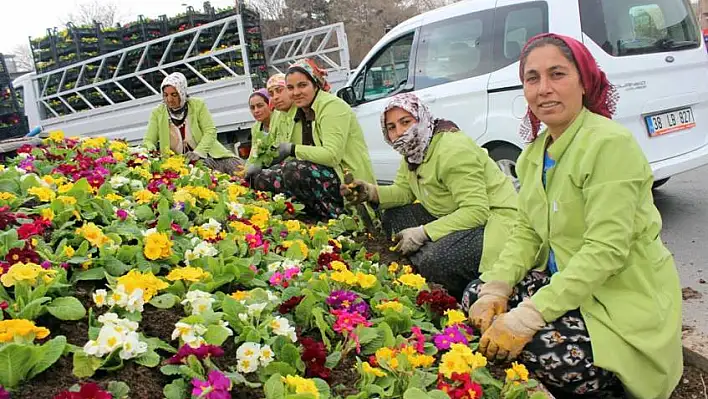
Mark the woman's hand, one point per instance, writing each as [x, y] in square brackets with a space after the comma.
[410, 240]
[510, 332]
[192, 156]
[491, 302]
[357, 191]
[284, 150]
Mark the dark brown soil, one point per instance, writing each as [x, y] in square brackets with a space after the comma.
[689, 293]
[160, 323]
[692, 384]
[341, 380]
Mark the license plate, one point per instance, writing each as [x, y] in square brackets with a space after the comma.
[669, 122]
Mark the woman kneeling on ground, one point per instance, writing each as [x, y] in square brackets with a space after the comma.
[450, 206]
[326, 140]
[597, 300]
[183, 125]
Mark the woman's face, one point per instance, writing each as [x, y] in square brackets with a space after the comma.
[398, 121]
[301, 89]
[171, 97]
[552, 87]
[282, 100]
[259, 108]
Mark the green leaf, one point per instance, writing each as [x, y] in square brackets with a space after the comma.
[415, 393]
[164, 301]
[483, 377]
[281, 368]
[32, 310]
[97, 273]
[333, 359]
[216, 334]
[15, 361]
[114, 267]
[118, 389]
[421, 379]
[144, 213]
[274, 388]
[175, 390]
[67, 308]
[322, 325]
[539, 395]
[46, 355]
[170, 369]
[149, 359]
[291, 355]
[322, 388]
[438, 394]
[84, 365]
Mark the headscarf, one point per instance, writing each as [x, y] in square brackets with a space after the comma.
[413, 144]
[263, 93]
[179, 82]
[277, 80]
[316, 74]
[600, 97]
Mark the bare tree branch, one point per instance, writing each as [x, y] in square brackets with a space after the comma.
[106, 12]
[23, 57]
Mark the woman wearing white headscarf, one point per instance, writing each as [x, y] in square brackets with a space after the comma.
[183, 125]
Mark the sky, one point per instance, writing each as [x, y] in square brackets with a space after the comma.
[24, 18]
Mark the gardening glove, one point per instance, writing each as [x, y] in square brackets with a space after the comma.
[410, 240]
[192, 156]
[284, 150]
[491, 302]
[252, 171]
[358, 191]
[510, 332]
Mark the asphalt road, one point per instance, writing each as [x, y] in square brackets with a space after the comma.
[683, 203]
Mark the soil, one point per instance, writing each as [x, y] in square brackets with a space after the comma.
[689, 293]
[147, 383]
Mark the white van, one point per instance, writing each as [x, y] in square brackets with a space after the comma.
[463, 61]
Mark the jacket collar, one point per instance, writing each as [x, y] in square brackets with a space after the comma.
[558, 147]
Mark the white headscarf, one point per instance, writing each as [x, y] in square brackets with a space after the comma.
[179, 82]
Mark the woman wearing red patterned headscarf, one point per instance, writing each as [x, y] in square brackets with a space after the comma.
[597, 304]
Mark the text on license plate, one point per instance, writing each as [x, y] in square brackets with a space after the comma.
[669, 122]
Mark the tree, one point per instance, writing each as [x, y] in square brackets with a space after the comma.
[106, 12]
[23, 57]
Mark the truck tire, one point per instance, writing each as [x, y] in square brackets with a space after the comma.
[505, 156]
[659, 183]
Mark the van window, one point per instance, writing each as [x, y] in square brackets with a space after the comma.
[514, 26]
[454, 49]
[386, 72]
[624, 28]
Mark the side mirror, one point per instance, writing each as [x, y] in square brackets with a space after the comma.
[347, 94]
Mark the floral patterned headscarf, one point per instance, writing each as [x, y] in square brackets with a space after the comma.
[277, 80]
[600, 97]
[316, 74]
[414, 143]
[179, 82]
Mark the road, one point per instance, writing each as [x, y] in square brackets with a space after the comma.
[683, 203]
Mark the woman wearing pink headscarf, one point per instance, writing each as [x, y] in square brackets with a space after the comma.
[596, 296]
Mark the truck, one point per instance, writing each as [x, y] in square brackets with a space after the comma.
[112, 95]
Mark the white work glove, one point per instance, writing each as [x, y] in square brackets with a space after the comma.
[410, 240]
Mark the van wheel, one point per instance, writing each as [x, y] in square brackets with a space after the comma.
[505, 156]
[659, 183]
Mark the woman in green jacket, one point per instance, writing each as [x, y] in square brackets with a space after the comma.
[597, 303]
[261, 109]
[450, 206]
[326, 139]
[183, 125]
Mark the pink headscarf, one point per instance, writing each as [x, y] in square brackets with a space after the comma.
[601, 96]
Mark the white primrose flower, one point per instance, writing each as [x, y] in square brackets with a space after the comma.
[132, 346]
[198, 301]
[212, 225]
[117, 182]
[256, 309]
[136, 185]
[279, 197]
[190, 334]
[236, 209]
[100, 297]
[281, 326]
[266, 356]
[247, 357]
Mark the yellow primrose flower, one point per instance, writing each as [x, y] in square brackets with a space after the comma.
[157, 246]
[64, 188]
[27, 272]
[182, 195]
[117, 146]
[43, 193]
[94, 142]
[517, 372]
[66, 200]
[144, 196]
[69, 252]
[365, 280]
[393, 305]
[383, 354]
[315, 229]
[21, 328]
[234, 191]
[202, 193]
[418, 361]
[454, 316]
[412, 280]
[375, 371]
[113, 197]
[345, 277]
[93, 234]
[407, 269]
[47, 213]
[192, 274]
[292, 225]
[48, 179]
[338, 266]
[302, 385]
[393, 267]
[303, 247]
[242, 228]
[173, 163]
[145, 281]
[5, 196]
[119, 156]
[240, 295]
[56, 136]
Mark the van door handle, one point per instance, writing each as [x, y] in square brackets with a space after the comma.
[429, 98]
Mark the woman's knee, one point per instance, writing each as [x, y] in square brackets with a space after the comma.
[471, 293]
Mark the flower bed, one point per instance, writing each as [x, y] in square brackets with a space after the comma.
[154, 277]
